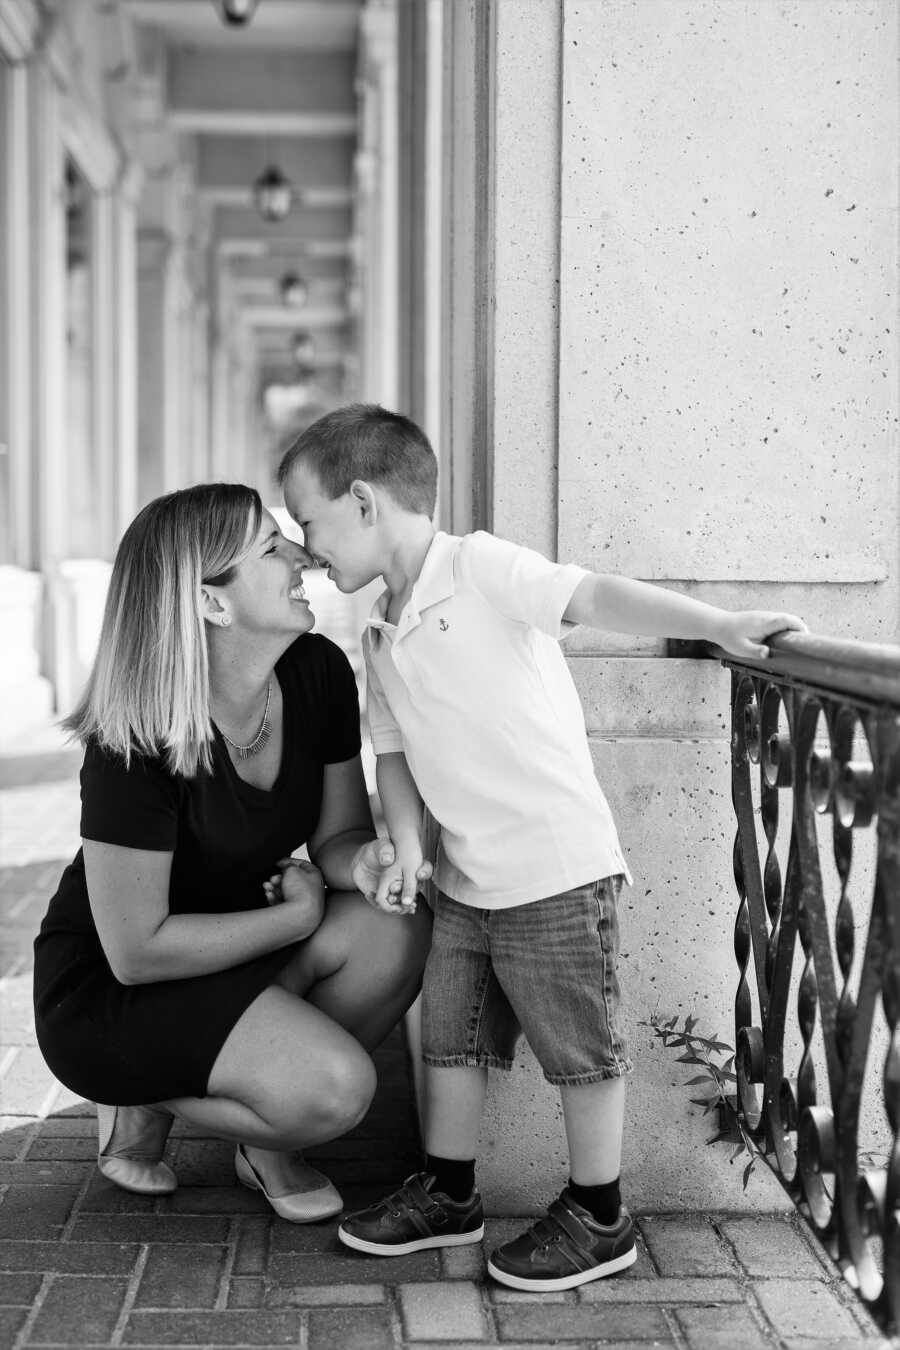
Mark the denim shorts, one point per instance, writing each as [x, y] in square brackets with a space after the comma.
[546, 969]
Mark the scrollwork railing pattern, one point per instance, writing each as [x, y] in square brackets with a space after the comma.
[816, 751]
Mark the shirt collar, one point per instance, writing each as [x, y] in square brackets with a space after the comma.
[434, 583]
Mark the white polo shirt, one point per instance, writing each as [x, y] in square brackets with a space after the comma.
[471, 684]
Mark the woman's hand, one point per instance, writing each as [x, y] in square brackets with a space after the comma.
[389, 881]
[300, 885]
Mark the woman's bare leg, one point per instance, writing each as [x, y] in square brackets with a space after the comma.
[294, 1071]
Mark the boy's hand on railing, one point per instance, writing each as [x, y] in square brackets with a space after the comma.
[745, 632]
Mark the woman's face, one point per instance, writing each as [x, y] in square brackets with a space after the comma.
[266, 594]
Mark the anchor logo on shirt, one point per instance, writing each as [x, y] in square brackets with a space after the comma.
[443, 625]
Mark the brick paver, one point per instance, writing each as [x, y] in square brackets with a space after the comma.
[443, 1312]
[83, 1263]
[686, 1244]
[722, 1329]
[775, 1250]
[807, 1308]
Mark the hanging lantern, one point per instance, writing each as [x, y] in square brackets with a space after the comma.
[272, 193]
[235, 13]
[293, 289]
[303, 349]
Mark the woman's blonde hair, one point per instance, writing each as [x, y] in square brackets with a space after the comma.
[148, 690]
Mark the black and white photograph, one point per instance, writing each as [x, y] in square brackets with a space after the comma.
[449, 674]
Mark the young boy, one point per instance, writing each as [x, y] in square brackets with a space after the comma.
[472, 709]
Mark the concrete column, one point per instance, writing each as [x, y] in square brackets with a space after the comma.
[25, 694]
[219, 459]
[177, 466]
[524, 409]
[232, 386]
[420, 219]
[104, 394]
[249, 465]
[75, 586]
[125, 382]
[412, 107]
[17, 345]
[235, 421]
[466, 489]
[48, 116]
[433, 227]
[728, 414]
[156, 341]
[199, 392]
[364, 293]
[729, 364]
[48, 383]
[707, 396]
[48, 366]
[188, 469]
[378, 189]
[19, 26]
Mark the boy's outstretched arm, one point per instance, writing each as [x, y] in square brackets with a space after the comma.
[403, 813]
[620, 605]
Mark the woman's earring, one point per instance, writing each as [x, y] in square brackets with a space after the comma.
[225, 620]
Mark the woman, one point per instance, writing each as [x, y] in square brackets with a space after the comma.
[178, 971]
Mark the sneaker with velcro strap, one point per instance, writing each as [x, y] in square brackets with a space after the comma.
[413, 1219]
[566, 1248]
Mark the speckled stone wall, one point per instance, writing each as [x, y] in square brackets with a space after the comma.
[696, 379]
[526, 272]
[728, 348]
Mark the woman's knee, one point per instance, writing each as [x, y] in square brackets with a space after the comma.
[334, 1097]
[387, 950]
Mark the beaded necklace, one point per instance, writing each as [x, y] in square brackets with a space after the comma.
[259, 740]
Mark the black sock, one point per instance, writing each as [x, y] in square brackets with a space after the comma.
[454, 1178]
[603, 1202]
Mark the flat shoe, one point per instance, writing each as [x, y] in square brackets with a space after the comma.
[133, 1159]
[297, 1207]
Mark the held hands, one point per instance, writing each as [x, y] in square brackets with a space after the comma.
[388, 878]
[744, 632]
[301, 885]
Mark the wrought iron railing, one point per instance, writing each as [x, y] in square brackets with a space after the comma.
[816, 790]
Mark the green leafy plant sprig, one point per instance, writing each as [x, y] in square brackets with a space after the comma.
[715, 1059]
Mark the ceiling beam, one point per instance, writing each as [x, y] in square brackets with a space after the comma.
[315, 198]
[322, 275]
[282, 317]
[311, 164]
[242, 247]
[222, 122]
[325, 290]
[301, 225]
[325, 25]
[279, 353]
[260, 82]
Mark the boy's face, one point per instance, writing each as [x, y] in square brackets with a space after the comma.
[336, 529]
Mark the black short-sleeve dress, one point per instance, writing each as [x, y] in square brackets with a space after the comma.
[134, 1044]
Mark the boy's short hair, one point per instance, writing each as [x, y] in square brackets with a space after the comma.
[366, 441]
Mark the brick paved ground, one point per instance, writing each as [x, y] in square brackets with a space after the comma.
[85, 1264]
